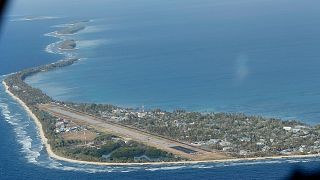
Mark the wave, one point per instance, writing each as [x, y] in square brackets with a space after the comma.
[35, 153]
[30, 149]
[166, 168]
[53, 48]
[34, 150]
[28, 137]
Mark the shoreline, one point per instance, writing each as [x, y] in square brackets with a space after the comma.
[51, 154]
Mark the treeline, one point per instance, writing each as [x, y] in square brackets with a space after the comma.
[91, 108]
[104, 145]
[229, 132]
[115, 151]
[29, 95]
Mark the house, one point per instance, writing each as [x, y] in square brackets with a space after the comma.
[287, 128]
[301, 127]
[226, 148]
[17, 88]
[245, 139]
[213, 141]
[243, 153]
[295, 130]
[225, 143]
[141, 114]
[286, 151]
[265, 148]
[260, 143]
[198, 143]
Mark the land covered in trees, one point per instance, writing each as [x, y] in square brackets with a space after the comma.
[70, 139]
[72, 28]
[77, 141]
[67, 45]
[235, 134]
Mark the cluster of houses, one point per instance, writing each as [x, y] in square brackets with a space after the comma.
[65, 126]
[227, 146]
[297, 129]
[261, 144]
[123, 114]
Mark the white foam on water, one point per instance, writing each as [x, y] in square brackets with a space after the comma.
[53, 34]
[52, 48]
[165, 168]
[20, 128]
[293, 161]
[34, 151]
[126, 171]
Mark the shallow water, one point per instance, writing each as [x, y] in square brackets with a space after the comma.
[22, 153]
[256, 57]
[248, 56]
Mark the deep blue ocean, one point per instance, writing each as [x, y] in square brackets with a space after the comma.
[255, 56]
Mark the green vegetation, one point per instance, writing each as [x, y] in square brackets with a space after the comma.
[234, 133]
[113, 150]
[101, 149]
[72, 28]
[67, 44]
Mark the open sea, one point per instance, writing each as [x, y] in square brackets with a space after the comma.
[260, 57]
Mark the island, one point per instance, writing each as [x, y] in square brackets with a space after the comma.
[72, 28]
[107, 134]
[69, 44]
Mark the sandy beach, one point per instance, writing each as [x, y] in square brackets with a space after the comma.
[53, 155]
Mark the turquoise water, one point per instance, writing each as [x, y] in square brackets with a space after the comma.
[257, 57]
[249, 56]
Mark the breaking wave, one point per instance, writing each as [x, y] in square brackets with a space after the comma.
[53, 48]
[30, 148]
[27, 135]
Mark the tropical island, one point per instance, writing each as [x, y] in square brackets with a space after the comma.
[69, 44]
[72, 28]
[89, 132]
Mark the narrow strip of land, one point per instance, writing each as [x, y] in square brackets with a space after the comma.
[178, 148]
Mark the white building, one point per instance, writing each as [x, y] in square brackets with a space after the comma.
[287, 128]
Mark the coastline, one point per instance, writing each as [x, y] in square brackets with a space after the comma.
[51, 154]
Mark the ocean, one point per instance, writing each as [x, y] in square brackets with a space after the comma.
[254, 56]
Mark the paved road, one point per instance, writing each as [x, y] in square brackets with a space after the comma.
[175, 147]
